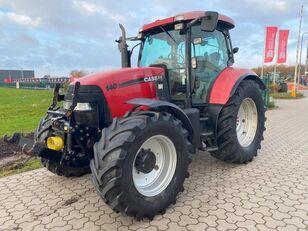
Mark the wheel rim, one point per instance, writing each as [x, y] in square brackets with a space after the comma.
[156, 181]
[247, 122]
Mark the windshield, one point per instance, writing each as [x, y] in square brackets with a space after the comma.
[163, 48]
[167, 48]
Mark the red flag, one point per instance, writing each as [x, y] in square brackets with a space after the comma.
[270, 40]
[282, 46]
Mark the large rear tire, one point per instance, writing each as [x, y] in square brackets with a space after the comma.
[241, 125]
[140, 163]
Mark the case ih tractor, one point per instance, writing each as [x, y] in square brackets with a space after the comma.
[138, 129]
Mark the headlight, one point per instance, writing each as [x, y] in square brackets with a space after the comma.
[83, 107]
[79, 106]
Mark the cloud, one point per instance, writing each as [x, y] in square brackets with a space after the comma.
[90, 8]
[23, 20]
[58, 36]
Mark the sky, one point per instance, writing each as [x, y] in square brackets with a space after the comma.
[56, 37]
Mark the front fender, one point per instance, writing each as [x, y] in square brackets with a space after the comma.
[170, 108]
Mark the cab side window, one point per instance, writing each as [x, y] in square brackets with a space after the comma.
[210, 51]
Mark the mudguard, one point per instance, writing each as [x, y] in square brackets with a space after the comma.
[227, 82]
[170, 108]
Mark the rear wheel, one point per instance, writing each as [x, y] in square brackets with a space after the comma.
[140, 163]
[241, 125]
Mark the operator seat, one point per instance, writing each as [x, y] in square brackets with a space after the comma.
[214, 60]
[207, 69]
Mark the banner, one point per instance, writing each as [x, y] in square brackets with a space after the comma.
[270, 39]
[282, 46]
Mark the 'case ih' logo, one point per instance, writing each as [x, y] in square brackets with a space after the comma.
[152, 78]
[131, 82]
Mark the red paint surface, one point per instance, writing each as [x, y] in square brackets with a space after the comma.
[224, 83]
[282, 46]
[117, 97]
[270, 40]
[187, 16]
[162, 22]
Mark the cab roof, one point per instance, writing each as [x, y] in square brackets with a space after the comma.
[226, 21]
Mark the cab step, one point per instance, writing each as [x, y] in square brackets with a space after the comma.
[211, 149]
[206, 134]
[204, 119]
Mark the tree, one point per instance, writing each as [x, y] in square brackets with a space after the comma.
[77, 74]
[284, 70]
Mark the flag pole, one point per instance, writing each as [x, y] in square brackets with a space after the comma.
[297, 51]
[262, 69]
[276, 58]
[306, 59]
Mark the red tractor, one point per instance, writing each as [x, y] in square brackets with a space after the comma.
[138, 129]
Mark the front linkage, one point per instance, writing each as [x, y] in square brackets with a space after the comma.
[57, 141]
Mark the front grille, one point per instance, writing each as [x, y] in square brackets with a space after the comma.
[92, 94]
[84, 91]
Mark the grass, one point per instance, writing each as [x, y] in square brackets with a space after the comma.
[21, 110]
[286, 95]
[20, 166]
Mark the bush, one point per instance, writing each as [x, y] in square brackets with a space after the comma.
[271, 105]
[286, 95]
[274, 87]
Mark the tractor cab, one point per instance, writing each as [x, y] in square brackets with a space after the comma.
[193, 48]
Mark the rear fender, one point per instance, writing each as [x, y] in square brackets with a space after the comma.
[170, 108]
[250, 77]
[224, 88]
[227, 82]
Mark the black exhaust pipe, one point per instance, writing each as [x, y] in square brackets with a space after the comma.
[122, 45]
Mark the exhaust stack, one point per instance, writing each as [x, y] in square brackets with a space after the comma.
[122, 45]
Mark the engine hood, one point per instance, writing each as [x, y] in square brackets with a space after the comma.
[122, 85]
[122, 76]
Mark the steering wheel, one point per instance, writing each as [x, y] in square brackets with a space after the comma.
[211, 66]
[177, 56]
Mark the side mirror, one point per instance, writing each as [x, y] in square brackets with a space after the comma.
[235, 50]
[209, 21]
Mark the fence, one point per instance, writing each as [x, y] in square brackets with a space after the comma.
[37, 86]
[10, 85]
[267, 91]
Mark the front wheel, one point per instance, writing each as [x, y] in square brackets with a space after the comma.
[241, 125]
[141, 162]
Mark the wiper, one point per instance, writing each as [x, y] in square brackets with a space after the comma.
[169, 35]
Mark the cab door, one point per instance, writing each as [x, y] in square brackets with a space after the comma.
[210, 55]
